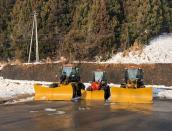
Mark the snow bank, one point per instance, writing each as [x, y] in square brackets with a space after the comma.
[159, 51]
[163, 94]
[10, 89]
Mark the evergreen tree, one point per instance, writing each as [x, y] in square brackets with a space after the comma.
[5, 43]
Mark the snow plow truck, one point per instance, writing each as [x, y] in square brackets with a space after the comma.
[68, 88]
[133, 89]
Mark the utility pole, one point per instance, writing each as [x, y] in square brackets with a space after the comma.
[36, 35]
[30, 50]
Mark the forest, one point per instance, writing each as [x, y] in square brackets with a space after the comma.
[80, 29]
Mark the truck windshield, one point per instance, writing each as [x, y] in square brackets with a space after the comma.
[98, 76]
[132, 74]
[68, 71]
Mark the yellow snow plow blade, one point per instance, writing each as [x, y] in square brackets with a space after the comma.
[62, 92]
[128, 95]
[93, 95]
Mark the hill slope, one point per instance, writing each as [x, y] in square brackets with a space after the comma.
[80, 29]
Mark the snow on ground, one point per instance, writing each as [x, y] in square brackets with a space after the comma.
[10, 89]
[159, 51]
[39, 63]
[162, 93]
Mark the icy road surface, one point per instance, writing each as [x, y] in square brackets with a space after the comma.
[79, 116]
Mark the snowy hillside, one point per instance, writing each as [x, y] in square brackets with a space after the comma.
[159, 51]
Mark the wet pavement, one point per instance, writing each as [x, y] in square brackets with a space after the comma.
[60, 115]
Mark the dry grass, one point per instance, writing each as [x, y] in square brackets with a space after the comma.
[3, 62]
[15, 62]
[136, 49]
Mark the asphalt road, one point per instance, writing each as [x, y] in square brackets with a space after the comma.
[59, 115]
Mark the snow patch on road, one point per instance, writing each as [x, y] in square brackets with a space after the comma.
[50, 109]
[57, 113]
